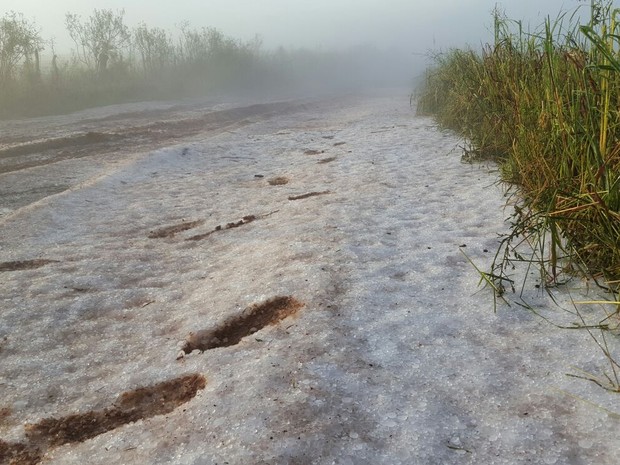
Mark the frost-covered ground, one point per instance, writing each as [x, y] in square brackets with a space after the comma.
[396, 356]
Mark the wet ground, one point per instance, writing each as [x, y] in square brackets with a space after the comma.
[274, 283]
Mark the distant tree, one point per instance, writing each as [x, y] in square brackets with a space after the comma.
[155, 47]
[55, 74]
[100, 38]
[192, 45]
[19, 41]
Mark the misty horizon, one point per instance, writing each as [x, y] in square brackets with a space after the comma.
[197, 49]
[396, 25]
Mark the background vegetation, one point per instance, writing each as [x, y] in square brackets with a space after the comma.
[546, 105]
[112, 63]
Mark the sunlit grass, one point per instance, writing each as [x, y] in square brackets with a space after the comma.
[546, 106]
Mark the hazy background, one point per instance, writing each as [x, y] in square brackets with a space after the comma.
[414, 26]
[207, 47]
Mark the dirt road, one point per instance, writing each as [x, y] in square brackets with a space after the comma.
[277, 283]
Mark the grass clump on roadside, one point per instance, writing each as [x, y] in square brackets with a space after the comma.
[546, 106]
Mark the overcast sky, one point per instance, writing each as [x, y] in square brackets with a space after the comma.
[412, 25]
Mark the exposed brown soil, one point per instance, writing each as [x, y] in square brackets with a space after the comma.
[130, 406]
[170, 231]
[339, 143]
[278, 181]
[253, 319]
[313, 152]
[5, 413]
[25, 264]
[326, 160]
[245, 220]
[16, 453]
[309, 194]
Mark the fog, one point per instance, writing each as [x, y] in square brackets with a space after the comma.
[379, 42]
[413, 25]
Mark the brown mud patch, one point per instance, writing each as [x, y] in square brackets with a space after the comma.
[339, 143]
[309, 194]
[326, 160]
[130, 406]
[16, 453]
[5, 413]
[170, 231]
[278, 181]
[21, 265]
[234, 329]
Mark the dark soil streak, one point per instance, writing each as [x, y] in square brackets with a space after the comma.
[16, 453]
[243, 221]
[25, 264]
[170, 231]
[253, 319]
[309, 194]
[326, 160]
[130, 406]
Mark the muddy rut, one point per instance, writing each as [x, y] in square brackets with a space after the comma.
[17, 153]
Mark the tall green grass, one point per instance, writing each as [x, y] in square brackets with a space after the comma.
[546, 106]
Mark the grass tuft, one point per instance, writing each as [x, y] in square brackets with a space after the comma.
[546, 106]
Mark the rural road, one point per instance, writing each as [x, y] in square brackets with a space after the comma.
[273, 283]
